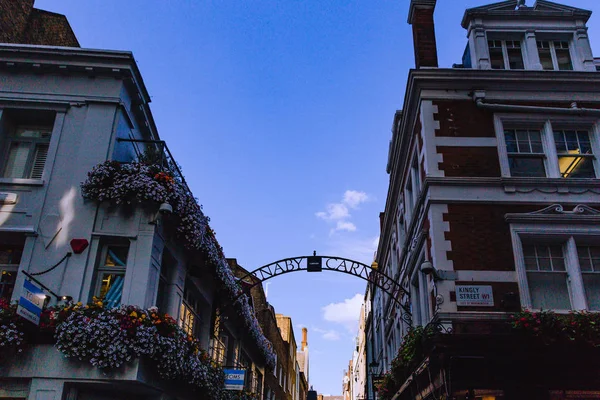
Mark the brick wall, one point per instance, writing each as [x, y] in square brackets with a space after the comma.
[480, 237]
[469, 161]
[21, 23]
[14, 15]
[48, 28]
[424, 38]
[463, 119]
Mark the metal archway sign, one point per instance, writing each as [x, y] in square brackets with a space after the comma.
[317, 263]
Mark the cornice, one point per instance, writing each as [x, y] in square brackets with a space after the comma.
[580, 214]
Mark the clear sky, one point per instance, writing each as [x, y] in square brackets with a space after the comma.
[280, 112]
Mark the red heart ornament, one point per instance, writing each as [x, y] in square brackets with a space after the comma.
[79, 245]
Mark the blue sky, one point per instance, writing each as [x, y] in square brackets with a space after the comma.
[280, 113]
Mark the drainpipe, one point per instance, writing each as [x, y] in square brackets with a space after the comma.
[479, 97]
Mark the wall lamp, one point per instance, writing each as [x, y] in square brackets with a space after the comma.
[164, 209]
[428, 269]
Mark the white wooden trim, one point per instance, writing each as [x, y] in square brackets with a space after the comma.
[502, 153]
[595, 142]
[520, 269]
[551, 160]
[576, 288]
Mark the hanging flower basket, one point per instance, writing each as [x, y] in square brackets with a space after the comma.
[142, 184]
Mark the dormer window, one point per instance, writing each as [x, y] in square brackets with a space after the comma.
[506, 54]
[555, 55]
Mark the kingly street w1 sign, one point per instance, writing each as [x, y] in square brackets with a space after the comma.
[478, 296]
[234, 379]
[31, 302]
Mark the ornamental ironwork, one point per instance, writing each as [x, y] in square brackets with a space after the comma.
[319, 263]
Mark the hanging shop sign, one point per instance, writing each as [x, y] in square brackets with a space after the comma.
[314, 264]
[478, 296]
[377, 381]
[234, 379]
[31, 302]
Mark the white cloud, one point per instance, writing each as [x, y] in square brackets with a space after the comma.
[345, 313]
[330, 334]
[340, 212]
[335, 211]
[345, 226]
[354, 198]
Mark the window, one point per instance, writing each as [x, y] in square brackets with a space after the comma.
[189, 319]
[575, 156]
[555, 55]
[27, 140]
[525, 152]
[111, 274]
[561, 148]
[559, 272]
[10, 257]
[546, 276]
[167, 266]
[506, 54]
[589, 263]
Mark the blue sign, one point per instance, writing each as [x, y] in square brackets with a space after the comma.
[31, 302]
[234, 379]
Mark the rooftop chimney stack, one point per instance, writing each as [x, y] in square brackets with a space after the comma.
[420, 16]
[304, 338]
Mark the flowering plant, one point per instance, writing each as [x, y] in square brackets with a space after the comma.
[109, 338]
[140, 183]
[577, 326]
[411, 351]
[11, 332]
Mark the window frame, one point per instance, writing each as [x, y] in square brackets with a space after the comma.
[56, 129]
[569, 235]
[505, 57]
[11, 268]
[553, 56]
[549, 124]
[101, 268]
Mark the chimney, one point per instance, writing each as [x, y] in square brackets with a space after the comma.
[420, 16]
[304, 338]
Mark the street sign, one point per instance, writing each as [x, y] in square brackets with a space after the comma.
[314, 264]
[479, 296]
[377, 381]
[31, 302]
[234, 379]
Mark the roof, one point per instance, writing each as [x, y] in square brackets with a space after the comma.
[542, 9]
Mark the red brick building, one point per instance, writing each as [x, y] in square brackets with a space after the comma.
[493, 208]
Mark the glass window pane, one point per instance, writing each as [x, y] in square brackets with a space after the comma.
[515, 59]
[116, 256]
[531, 264]
[576, 167]
[563, 59]
[111, 289]
[584, 142]
[7, 283]
[591, 283]
[497, 58]
[558, 264]
[548, 291]
[559, 140]
[527, 166]
[544, 263]
[511, 141]
[10, 255]
[16, 163]
[571, 139]
[585, 263]
[546, 59]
